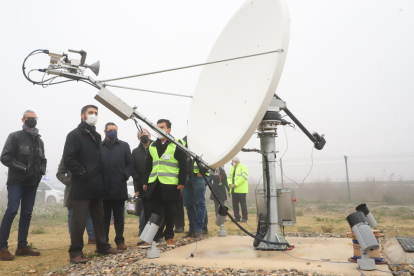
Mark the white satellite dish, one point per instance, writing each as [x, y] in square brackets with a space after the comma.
[231, 98]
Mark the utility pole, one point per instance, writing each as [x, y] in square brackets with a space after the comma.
[347, 177]
[281, 172]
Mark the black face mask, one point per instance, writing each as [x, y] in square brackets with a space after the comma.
[30, 123]
[144, 139]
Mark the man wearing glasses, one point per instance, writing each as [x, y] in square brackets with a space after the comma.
[24, 155]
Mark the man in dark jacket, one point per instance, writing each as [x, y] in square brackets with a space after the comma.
[117, 167]
[218, 181]
[140, 175]
[82, 157]
[24, 155]
[139, 172]
[166, 173]
[64, 176]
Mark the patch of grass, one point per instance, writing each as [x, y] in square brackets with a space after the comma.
[91, 255]
[39, 264]
[328, 228]
[38, 230]
[299, 213]
[31, 245]
[324, 219]
[328, 207]
[304, 229]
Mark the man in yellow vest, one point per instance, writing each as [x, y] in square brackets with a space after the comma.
[239, 187]
[167, 170]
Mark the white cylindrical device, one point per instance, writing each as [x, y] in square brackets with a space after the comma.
[151, 228]
[221, 215]
[363, 232]
[367, 213]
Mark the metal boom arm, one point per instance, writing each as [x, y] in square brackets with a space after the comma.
[318, 140]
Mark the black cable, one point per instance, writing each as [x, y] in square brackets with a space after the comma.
[287, 143]
[24, 62]
[230, 216]
[192, 254]
[303, 181]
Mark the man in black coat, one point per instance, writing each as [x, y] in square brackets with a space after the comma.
[24, 155]
[82, 157]
[117, 167]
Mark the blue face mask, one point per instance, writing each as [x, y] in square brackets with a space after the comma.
[111, 135]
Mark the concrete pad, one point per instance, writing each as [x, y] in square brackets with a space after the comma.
[395, 253]
[238, 252]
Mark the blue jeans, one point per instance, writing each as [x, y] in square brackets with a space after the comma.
[18, 195]
[89, 224]
[195, 202]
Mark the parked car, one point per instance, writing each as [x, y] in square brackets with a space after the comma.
[48, 193]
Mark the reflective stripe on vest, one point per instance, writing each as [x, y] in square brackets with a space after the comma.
[166, 168]
[197, 169]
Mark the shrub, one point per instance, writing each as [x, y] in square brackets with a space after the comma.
[327, 228]
[38, 230]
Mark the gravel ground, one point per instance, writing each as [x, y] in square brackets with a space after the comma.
[128, 263]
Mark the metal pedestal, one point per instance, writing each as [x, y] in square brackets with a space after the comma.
[267, 134]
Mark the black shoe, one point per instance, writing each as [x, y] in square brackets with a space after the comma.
[204, 231]
[179, 230]
[189, 235]
[197, 234]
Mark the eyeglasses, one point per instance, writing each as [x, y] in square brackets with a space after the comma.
[31, 118]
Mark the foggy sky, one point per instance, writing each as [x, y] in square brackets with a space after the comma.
[348, 74]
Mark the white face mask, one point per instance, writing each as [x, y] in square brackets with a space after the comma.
[92, 119]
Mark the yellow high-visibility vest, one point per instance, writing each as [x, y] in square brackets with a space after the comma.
[197, 169]
[166, 167]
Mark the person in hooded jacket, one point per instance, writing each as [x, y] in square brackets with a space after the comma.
[24, 155]
[82, 157]
[117, 167]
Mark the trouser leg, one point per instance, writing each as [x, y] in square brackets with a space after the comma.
[70, 213]
[235, 202]
[189, 204]
[179, 213]
[169, 213]
[77, 226]
[97, 214]
[205, 223]
[27, 203]
[107, 209]
[243, 205]
[119, 220]
[142, 222]
[216, 207]
[89, 226]
[154, 205]
[199, 201]
[14, 195]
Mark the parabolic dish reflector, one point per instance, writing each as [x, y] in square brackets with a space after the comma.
[232, 97]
